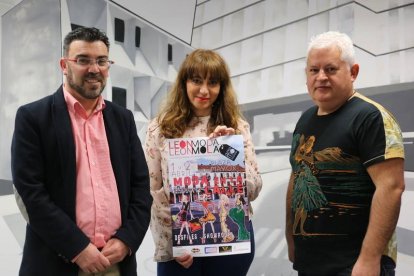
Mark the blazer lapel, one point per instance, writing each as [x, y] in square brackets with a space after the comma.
[117, 154]
[111, 135]
[64, 137]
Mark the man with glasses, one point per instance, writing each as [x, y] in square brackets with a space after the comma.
[79, 168]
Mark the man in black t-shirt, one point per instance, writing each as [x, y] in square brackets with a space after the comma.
[347, 178]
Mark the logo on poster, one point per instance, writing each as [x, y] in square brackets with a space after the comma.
[193, 147]
[210, 250]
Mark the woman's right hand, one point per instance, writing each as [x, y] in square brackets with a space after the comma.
[221, 131]
[186, 260]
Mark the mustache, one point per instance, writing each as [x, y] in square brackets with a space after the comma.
[95, 76]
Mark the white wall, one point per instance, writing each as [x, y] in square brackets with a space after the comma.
[173, 16]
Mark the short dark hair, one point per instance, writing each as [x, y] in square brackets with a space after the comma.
[85, 34]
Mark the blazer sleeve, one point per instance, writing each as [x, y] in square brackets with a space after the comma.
[39, 188]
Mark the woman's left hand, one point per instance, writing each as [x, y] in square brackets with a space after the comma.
[222, 131]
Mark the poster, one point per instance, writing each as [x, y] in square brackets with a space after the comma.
[208, 196]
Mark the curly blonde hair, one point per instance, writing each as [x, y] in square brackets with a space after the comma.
[176, 113]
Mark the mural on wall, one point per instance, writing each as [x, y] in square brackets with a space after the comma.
[264, 43]
[30, 52]
[146, 62]
[146, 59]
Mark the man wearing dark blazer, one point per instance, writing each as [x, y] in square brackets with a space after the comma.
[81, 220]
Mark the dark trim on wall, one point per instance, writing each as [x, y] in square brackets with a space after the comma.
[150, 23]
[382, 11]
[192, 29]
[202, 2]
[229, 13]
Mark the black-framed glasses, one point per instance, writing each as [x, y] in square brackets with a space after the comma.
[103, 63]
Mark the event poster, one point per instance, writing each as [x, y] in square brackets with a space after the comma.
[208, 196]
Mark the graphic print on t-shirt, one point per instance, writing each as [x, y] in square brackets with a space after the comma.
[325, 183]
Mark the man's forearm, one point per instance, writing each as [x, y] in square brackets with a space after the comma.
[384, 214]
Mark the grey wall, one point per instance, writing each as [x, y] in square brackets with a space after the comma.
[32, 34]
[30, 48]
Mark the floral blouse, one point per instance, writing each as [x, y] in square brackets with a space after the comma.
[156, 154]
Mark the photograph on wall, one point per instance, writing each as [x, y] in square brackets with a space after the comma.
[208, 196]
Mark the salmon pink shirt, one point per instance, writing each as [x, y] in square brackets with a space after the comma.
[98, 212]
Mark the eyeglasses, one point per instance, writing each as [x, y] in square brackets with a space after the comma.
[103, 63]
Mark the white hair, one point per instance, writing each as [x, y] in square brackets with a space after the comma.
[340, 40]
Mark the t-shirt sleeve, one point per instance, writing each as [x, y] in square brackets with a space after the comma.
[379, 138]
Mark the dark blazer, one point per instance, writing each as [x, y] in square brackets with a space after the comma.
[44, 174]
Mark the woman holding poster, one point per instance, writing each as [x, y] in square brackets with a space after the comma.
[201, 103]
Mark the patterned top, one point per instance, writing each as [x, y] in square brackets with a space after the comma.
[332, 190]
[156, 154]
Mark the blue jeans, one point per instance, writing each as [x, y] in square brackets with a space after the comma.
[387, 269]
[229, 265]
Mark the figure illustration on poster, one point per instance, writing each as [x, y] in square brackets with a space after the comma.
[207, 218]
[183, 217]
[227, 235]
[237, 214]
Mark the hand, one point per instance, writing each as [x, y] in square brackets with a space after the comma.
[362, 268]
[221, 131]
[185, 260]
[115, 250]
[90, 260]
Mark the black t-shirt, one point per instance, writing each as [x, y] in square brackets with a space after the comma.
[332, 190]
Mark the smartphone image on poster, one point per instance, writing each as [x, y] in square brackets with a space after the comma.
[228, 151]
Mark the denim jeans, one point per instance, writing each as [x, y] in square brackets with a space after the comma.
[387, 269]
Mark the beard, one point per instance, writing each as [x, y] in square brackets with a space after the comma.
[85, 88]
